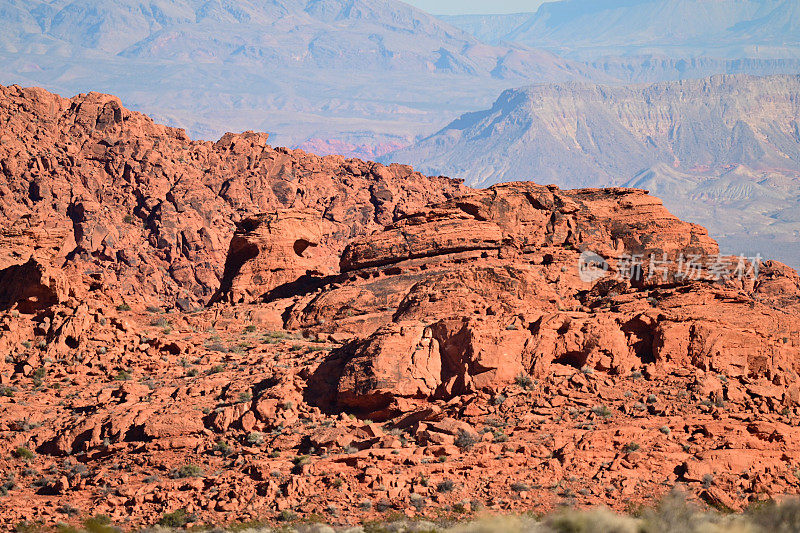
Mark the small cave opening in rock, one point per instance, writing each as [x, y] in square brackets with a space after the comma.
[22, 285]
[72, 342]
[240, 252]
[301, 245]
[573, 359]
[641, 337]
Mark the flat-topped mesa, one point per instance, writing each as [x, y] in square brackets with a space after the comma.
[528, 218]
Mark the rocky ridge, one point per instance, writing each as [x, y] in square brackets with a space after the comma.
[408, 349]
[153, 212]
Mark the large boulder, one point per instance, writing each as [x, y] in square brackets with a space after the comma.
[487, 287]
[268, 251]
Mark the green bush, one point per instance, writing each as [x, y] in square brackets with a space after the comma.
[177, 518]
[187, 471]
[23, 453]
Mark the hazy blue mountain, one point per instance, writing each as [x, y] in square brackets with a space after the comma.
[723, 151]
[656, 40]
[489, 28]
[730, 29]
[353, 70]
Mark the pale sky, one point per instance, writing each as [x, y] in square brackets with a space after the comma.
[461, 7]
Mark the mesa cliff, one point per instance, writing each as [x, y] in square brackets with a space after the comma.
[250, 333]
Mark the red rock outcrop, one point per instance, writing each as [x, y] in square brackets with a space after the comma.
[271, 250]
[495, 339]
[156, 210]
[488, 289]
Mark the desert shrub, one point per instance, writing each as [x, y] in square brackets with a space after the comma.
[594, 521]
[524, 381]
[7, 485]
[499, 435]
[631, 447]
[518, 486]
[777, 518]
[68, 510]
[23, 453]
[99, 524]
[222, 447]
[466, 439]
[365, 505]
[601, 410]
[177, 518]
[255, 438]
[417, 502]
[445, 486]
[187, 471]
[499, 399]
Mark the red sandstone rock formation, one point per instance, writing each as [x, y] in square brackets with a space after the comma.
[156, 210]
[456, 318]
[487, 289]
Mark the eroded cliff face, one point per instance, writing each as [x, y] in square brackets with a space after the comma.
[366, 322]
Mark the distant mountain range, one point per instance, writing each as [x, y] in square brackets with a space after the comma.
[644, 41]
[365, 76]
[354, 71]
[587, 29]
[723, 151]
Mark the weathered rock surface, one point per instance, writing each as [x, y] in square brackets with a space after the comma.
[362, 345]
[501, 297]
[271, 250]
[156, 210]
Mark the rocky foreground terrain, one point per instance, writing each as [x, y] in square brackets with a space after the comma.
[211, 333]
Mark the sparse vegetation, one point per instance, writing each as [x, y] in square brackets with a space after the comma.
[255, 438]
[177, 518]
[602, 410]
[123, 375]
[518, 486]
[674, 514]
[287, 516]
[187, 471]
[23, 453]
[8, 484]
[524, 381]
[222, 448]
[631, 447]
[466, 439]
[445, 486]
